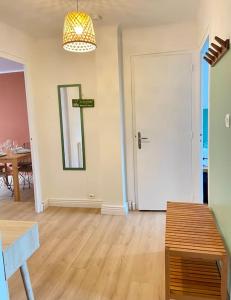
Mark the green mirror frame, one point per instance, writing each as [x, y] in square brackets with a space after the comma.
[62, 131]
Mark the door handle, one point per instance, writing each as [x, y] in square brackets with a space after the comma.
[140, 139]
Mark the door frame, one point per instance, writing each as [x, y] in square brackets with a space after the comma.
[134, 133]
[32, 132]
[203, 40]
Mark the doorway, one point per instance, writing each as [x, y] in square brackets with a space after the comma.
[204, 96]
[16, 172]
[162, 104]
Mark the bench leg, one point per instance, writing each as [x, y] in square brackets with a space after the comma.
[26, 281]
[224, 278]
[167, 284]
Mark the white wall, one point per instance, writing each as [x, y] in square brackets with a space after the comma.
[214, 18]
[169, 38]
[54, 66]
[47, 66]
[109, 100]
[16, 46]
[100, 75]
[98, 72]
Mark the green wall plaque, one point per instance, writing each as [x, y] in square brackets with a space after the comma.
[83, 103]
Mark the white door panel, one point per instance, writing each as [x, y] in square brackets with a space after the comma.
[162, 99]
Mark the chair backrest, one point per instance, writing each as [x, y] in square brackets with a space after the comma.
[2, 170]
[26, 145]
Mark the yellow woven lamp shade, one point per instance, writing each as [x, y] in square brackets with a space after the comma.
[78, 33]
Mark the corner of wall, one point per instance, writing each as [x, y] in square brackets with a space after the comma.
[110, 93]
[45, 205]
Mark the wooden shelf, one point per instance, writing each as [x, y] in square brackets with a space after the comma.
[194, 278]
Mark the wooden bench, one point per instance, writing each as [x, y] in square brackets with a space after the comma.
[195, 255]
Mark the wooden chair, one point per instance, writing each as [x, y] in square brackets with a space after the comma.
[25, 169]
[2, 175]
[5, 172]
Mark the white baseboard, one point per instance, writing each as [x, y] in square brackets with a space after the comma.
[106, 209]
[117, 210]
[45, 205]
[87, 203]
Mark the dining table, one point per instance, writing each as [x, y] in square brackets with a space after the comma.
[14, 159]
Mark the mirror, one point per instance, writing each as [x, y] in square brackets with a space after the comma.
[72, 131]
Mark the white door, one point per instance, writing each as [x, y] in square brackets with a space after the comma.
[162, 88]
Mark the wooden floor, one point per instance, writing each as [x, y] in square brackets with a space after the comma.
[87, 256]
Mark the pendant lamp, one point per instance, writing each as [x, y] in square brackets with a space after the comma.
[78, 32]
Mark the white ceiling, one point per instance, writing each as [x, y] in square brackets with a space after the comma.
[43, 18]
[7, 66]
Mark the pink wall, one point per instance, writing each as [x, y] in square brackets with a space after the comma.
[13, 110]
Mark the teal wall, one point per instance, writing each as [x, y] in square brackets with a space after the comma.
[220, 146]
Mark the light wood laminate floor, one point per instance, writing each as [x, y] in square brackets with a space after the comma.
[87, 256]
